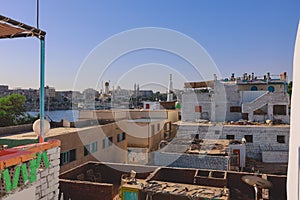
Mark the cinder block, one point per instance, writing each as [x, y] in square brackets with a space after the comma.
[50, 195]
[54, 156]
[54, 163]
[54, 169]
[52, 151]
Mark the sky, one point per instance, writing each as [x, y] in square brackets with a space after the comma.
[234, 36]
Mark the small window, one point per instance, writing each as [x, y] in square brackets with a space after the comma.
[281, 139]
[90, 148]
[94, 147]
[217, 132]
[279, 110]
[121, 137]
[249, 138]
[235, 109]
[67, 157]
[72, 155]
[198, 108]
[158, 127]
[271, 89]
[253, 88]
[230, 137]
[107, 142]
[147, 106]
[194, 136]
[86, 150]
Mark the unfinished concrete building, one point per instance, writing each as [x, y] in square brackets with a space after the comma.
[250, 98]
[269, 144]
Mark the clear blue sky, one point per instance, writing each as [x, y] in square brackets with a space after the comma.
[240, 36]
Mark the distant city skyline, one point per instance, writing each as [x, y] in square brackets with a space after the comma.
[248, 36]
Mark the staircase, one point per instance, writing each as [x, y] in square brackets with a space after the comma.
[248, 107]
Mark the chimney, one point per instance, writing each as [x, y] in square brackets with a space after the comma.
[232, 77]
[283, 76]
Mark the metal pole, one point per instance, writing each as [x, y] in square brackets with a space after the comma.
[42, 89]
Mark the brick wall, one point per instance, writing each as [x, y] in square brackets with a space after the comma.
[86, 190]
[48, 179]
[33, 168]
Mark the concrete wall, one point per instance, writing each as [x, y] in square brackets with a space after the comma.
[116, 115]
[215, 105]
[16, 129]
[191, 161]
[275, 156]
[278, 87]
[270, 99]
[76, 139]
[264, 137]
[144, 134]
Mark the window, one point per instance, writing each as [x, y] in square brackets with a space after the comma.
[271, 89]
[253, 88]
[194, 136]
[158, 127]
[230, 137]
[67, 157]
[235, 109]
[121, 137]
[217, 132]
[198, 108]
[90, 148]
[279, 110]
[249, 138]
[280, 138]
[107, 142]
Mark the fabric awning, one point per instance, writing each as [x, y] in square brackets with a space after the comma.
[10, 28]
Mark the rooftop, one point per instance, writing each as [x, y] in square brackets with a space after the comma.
[113, 180]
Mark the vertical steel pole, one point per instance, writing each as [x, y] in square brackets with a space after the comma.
[42, 89]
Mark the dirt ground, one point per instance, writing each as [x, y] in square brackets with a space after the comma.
[266, 168]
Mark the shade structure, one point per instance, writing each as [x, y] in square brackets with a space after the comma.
[10, 28]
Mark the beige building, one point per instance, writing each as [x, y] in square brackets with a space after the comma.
[79, 145]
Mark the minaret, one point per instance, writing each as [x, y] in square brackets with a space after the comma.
[134, 90]
[106, 88]
[170, 89]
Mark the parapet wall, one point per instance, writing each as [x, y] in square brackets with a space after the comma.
[30, 171]
[184, 160]
[264, 138]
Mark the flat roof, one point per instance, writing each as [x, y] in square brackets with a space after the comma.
[51, 133]
[145, 120]
[185, 123]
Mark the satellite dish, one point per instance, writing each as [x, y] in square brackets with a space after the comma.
[37, 124]
[256, 182]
